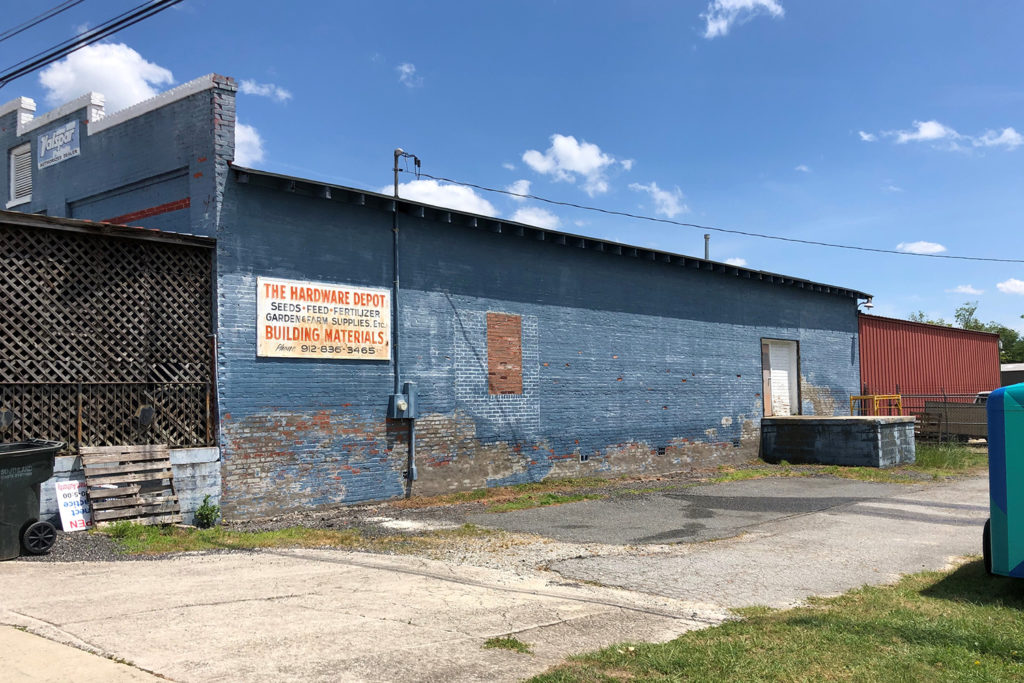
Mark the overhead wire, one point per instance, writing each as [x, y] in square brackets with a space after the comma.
[745, 233]
[66, 47]
[48, 14]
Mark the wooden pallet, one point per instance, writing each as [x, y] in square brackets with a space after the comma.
[132, 483]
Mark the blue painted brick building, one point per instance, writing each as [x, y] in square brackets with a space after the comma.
[536, 353]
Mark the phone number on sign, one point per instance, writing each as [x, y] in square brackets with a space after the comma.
[327, 348]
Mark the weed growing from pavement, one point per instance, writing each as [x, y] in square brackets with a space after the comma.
[155, 540]
[536, 500]
[503, 494]
[944, 626]
[508, 643]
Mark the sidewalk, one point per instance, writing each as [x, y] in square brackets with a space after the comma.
[26, 657]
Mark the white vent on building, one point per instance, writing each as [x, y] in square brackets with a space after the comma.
[21, 175]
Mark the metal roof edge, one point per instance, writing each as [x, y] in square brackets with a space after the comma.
[716, 266]
[32, 220]
[928, 325]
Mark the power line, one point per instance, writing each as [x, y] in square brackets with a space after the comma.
[48, 14]
[64, 48]
[745, 233]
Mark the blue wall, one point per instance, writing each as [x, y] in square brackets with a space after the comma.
[177, 151]
[629, 365]
[634, 365]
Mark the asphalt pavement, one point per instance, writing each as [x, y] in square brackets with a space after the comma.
[698, 513]
[328, 615]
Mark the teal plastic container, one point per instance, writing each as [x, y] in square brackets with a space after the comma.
[1003, 539]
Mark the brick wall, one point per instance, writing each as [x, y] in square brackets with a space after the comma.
[623, 365]
[504, 354]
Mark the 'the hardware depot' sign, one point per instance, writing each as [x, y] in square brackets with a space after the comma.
[300, 319]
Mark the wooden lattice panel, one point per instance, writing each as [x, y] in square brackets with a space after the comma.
[134, 483]
[96, 327]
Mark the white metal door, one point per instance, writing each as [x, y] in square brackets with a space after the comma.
[781, 378]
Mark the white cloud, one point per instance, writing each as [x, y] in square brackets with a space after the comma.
[867, 137]
[740, 262]
[534, 215]
[1011, 286]
[508, 166]
[450, 196]
[921, 247]
[519, 187]
[965, 289]
[933, 131]
[407, 75]
[803, 168]
[722, 15]
[1007, 138]
[925, 131]
[627, 164]
[113, 69]
[666, 202]
[248, 145]
[567, 157]
[274, 92]
[892, 188]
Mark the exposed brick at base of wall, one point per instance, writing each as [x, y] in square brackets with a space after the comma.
[284, 461]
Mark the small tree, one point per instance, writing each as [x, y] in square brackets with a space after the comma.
[965, 317]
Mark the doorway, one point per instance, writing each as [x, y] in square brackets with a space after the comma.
[780, 368]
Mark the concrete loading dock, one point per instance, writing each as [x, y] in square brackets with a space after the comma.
[866, 441]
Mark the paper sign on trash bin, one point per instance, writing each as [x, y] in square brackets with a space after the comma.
[75, 511]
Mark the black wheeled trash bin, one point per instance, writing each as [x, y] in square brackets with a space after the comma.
[25, 465]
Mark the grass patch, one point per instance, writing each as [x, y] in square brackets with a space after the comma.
[949, 457]
[728, 473]
[138, 539]
[934, 461]
[935, 626]
[507, 643]
[536, 500]
[504, 494]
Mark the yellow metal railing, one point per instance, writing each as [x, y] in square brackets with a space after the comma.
[892, 401]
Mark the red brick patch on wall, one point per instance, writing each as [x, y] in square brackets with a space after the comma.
[504, 353]
[152, 211]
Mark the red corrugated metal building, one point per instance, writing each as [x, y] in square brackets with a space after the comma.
[899, 356]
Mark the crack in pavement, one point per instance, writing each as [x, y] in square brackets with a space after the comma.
[491, 586]
[214, 603]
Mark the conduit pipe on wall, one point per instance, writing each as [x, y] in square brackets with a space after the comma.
[401, 406]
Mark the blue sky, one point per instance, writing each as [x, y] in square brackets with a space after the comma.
[897, 125]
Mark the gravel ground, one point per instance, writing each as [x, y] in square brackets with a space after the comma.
[80, 546]
[500, 549]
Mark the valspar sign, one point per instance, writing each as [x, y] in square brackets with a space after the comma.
[58, 144]
[299, 319]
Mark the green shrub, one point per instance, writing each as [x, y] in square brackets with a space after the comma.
[207, 514]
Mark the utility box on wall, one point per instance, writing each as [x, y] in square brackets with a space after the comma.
[869, 441]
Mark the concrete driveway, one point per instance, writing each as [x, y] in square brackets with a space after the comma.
[330, 615]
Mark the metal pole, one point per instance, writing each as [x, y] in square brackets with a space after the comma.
[707, 247]
[412, 458]
[395, 285]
